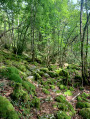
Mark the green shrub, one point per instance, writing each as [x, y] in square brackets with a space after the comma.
[82, 105]
[85, 113]
[7, 110]
[79, 98]
[28, 86]
[15, 77]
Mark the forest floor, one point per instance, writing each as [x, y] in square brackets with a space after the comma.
[47, 96]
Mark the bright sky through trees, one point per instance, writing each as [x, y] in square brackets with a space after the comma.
[75, 1]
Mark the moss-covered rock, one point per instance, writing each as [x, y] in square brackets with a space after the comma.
[62, 87]
[85, 113]
[19, 93]
[45, 91]
[7, 110]
[45, 70]
[60, 98]
[62, 115]
[68, 92]
[37, 76]
[82, 105]
[62, 72]
[48, 116]
[36, 102]
[52, 74]
[28, 86]
[15, 77]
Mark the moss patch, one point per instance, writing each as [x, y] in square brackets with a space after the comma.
[85, 113]
[6, 109]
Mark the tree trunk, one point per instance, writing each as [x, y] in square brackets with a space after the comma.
[82, 41]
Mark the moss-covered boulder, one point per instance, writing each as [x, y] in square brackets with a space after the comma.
[36, 102]
[62, 115]
[28, 86]
[52, 74]
[68, 92]
[47, 116]
[37, 76]
[60, 98]
[85, 113]
[19, 93]
[15, 77]
[45, 91]
[82, 105]
[7, 110]
[45, 70]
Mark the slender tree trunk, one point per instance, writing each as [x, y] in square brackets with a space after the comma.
[86, 63]
[82, 41]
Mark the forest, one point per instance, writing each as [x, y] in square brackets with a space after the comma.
[44, 59]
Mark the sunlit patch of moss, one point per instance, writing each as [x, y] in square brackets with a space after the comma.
[6, 109]
[68, 92]
[62, 87]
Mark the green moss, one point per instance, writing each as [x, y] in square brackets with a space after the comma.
[45, 91]
[62, 115]
[15, 77]
[79, 98]
[6, 72]
[52, 87]
[22, 67]
[19, 93]
[45, 70]
[60, 98]
[41, 73]
[85, 113]
[71, 88]
[28, 86]
[37, 76]
[63, 106]
[85, 95]
[48, 116]
[82, 105]
[6, 109]
[68, 92]
[52, 74]
[62, 87]
[11, 70]
[62, 72]
[36, 102]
